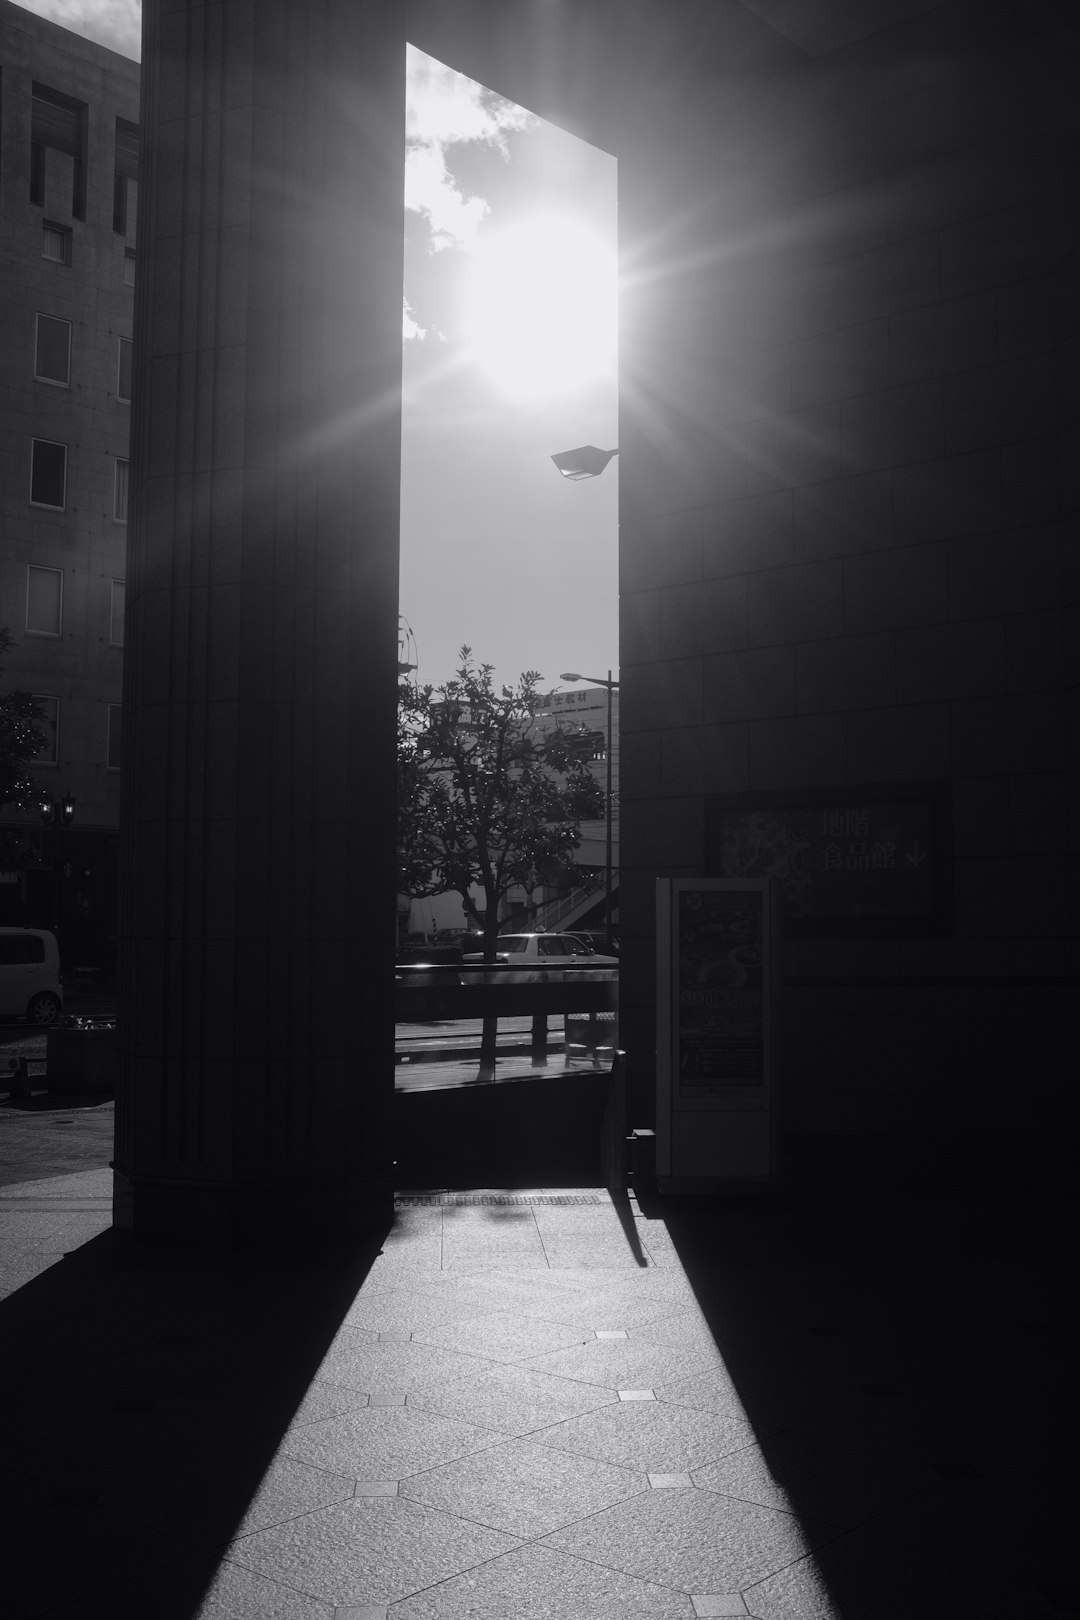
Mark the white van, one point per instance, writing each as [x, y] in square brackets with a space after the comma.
[30, 975]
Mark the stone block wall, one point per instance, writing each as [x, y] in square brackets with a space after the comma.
[848, 548]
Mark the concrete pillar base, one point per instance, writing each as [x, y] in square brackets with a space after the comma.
[252, 1214]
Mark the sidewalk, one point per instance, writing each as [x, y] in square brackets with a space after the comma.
[541, 1405]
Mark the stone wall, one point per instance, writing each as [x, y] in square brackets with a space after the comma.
[845, 548]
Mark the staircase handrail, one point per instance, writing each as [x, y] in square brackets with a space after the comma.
[552, 911]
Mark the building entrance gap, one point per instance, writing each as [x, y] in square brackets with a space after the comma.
[509, 356]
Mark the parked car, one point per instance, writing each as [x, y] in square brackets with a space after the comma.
[594, 938]
[533, 953]
[30, 975]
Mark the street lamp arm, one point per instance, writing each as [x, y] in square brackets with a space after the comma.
[594, 680]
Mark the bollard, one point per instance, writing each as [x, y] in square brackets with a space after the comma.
[538, 1056]
[642, 1150]
[20, 1077]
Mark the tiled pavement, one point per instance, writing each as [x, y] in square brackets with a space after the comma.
[542, 1406]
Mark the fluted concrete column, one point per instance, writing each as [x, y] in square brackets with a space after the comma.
[258, 874]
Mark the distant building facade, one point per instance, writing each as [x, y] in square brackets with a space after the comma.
[584, 711]
[67, 217]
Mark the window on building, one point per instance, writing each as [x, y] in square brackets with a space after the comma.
[56, 242]
[129, 267]
[123, 370]
[116, 614]
[112, 755]
[44, 600]
[120, 491]
[48, 724]
[58, 123]
[48, 474]
[52, 350]
[125, 176]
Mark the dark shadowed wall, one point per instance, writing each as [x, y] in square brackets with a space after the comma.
[848, 547]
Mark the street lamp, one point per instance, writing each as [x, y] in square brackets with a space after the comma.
[612, 686]
[66, 806]
[584, 462]
[56, 813]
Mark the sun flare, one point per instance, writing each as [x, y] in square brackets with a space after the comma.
[541, 307]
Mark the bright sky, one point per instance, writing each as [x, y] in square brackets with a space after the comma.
[115, 23]
[509, 356]
[510, 246]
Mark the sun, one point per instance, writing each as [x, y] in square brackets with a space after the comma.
[541, 307]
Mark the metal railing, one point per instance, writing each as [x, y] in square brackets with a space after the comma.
[501, 990]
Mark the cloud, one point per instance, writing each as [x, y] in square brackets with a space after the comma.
[430, 189]
[444, 109]
[410, 327]
[115, 23]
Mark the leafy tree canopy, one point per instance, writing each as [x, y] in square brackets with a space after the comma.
[20, 739]
[485, 801]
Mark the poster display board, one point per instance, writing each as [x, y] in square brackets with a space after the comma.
[717, 948]
[848, 861]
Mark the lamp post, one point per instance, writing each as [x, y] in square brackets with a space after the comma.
[612, 686]
[587, 461]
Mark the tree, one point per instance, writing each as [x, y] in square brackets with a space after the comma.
[20, 740]
[485, 802]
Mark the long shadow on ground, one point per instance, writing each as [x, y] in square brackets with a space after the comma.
[908, 1371]
[146, 1394]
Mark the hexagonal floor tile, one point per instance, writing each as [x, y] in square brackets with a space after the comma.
[691, 1540]
[539, 1584]
[370, 1550]
[524, 1489]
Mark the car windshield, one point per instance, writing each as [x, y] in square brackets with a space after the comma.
[514, 942]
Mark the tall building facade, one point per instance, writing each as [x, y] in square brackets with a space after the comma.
[847, 557]
[69, 154]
